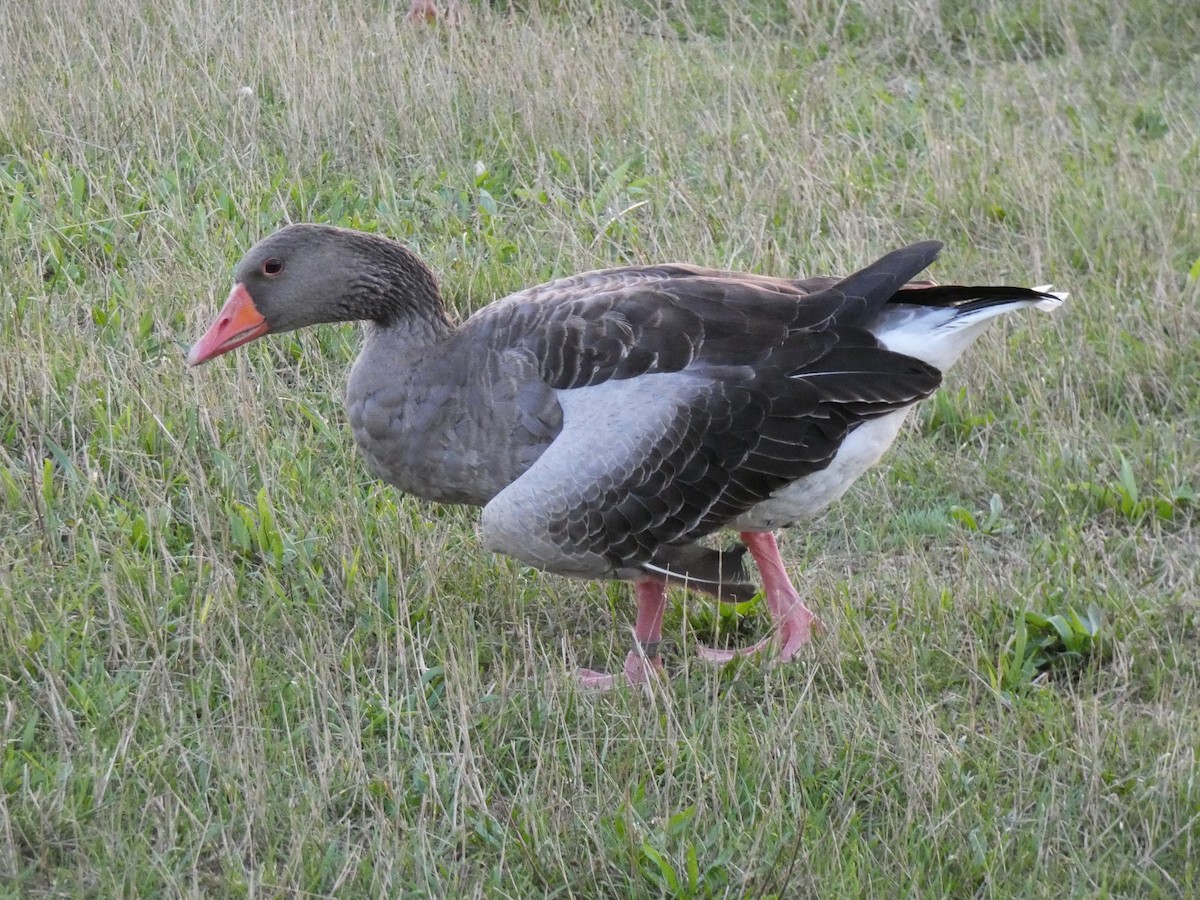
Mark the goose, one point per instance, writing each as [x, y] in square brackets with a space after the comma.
[609, 421]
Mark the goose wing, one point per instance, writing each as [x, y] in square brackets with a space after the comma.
[685, 400]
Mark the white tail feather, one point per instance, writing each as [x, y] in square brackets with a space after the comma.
[1054, 301]
[939, 335]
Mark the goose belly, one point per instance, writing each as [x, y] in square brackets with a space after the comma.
[808, 497]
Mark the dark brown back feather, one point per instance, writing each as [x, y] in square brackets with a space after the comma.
[780, 380]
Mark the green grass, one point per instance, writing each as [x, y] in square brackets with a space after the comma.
[231, 664]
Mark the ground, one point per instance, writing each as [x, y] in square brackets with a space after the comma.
[233, 664]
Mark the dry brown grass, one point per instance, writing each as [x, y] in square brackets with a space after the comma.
[231, 664]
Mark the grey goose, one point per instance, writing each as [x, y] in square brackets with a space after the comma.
[607, 422]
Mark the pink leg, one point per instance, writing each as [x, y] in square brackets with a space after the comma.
[644, 659]
[793, 620]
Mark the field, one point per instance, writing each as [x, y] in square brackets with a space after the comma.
[232, 664]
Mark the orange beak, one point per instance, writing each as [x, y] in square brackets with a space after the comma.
[239, 322]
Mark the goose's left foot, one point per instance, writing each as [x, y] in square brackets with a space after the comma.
[638, 670]
[644, 661]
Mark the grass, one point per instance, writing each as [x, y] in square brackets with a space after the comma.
[231, 664]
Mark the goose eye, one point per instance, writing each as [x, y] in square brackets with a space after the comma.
[272, 266]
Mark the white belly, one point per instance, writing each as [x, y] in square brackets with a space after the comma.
[809, 496]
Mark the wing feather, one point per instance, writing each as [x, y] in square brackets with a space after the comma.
[687, 399]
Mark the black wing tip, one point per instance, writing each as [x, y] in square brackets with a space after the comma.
[866, 290]
[929, 248]
[926, 252]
